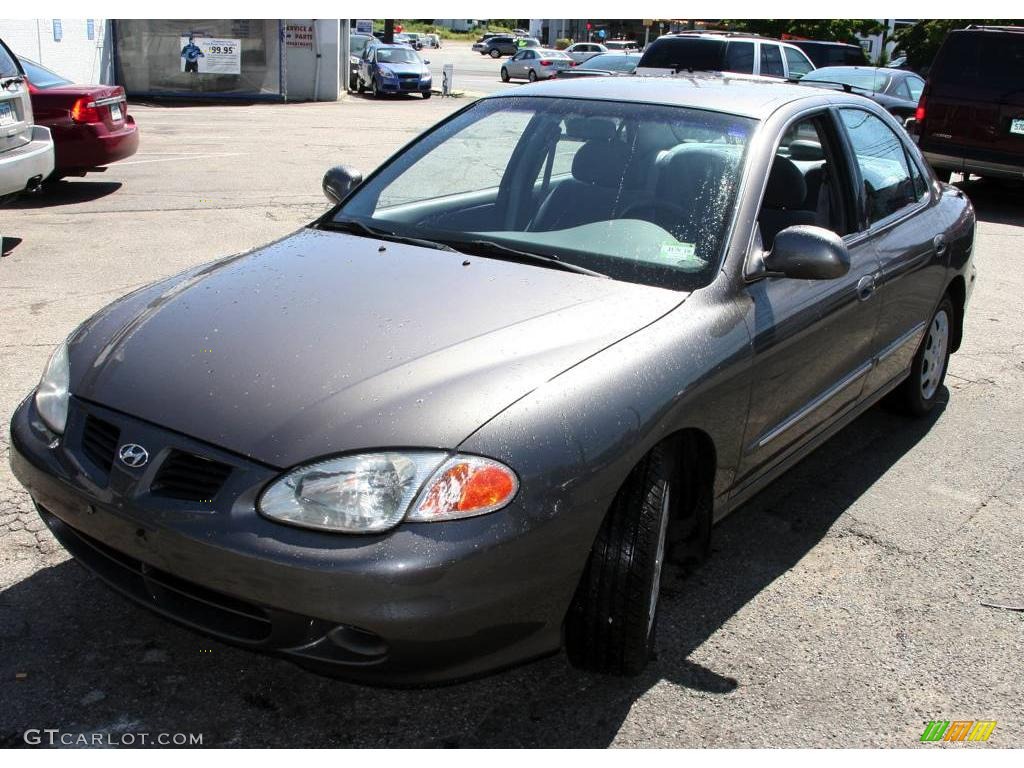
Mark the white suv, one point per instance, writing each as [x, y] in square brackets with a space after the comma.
[724, 52]
[26, 150]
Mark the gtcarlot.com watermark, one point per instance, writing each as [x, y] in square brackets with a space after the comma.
[55, 737]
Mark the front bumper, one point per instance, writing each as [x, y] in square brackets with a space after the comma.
[406, 86]
[422, 604]
[20, 166]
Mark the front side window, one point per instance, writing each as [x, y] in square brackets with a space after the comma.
[798, 64]
[638, 192]
[771, 61]
[882, 161]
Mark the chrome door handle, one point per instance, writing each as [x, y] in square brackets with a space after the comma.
[939, 242]
[865, 287]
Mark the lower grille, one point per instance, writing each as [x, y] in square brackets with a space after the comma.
[191, 603]
[99, 442]
[189, 477]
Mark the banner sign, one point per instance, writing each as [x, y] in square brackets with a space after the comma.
[211, 55]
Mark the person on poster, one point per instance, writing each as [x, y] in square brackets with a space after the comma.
[191, 53]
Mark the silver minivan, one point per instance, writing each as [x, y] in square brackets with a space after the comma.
[26, 150]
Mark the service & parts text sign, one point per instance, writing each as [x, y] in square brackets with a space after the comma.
[211, 55]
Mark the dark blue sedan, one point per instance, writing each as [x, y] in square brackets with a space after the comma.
[388, 69]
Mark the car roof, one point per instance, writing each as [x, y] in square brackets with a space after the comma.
[829, 43]
[745, 95]
[867, 68]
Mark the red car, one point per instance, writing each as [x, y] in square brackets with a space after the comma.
[90, 123]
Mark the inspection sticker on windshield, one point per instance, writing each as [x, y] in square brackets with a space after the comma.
[679, 253]
[1017, 125]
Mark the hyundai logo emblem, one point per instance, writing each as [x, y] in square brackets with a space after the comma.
[133, 455]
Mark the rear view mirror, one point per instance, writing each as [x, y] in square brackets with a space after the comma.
[807, 253]
[339, 181]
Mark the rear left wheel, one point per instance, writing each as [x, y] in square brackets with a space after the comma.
[918, 394]
[495, 53]
[532, 76]
[610, 626]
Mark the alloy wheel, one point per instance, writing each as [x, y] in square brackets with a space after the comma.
[934, 354]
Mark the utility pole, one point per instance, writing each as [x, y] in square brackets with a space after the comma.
[389, 31]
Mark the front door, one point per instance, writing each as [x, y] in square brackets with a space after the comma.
[812, 339]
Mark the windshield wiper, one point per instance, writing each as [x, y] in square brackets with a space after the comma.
[498, 251]
[358, 228]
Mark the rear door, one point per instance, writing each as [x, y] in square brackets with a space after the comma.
[15, 103]
[771, 61]
[975, 96]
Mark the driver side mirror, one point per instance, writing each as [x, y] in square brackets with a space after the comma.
[339, 181]
[426, 61]
[807, 253]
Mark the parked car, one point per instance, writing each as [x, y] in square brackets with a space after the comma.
[971, 115]
[580, 52]
[825, 53]
[464, 416]
[26, 149]
[621, 45]
[90, 124]
[897, 90]
[413, 39]
[431, 41]
[535, 64]
[389, 69]
[604, 65]
[497, 46]
[356, 48]
[723, 52]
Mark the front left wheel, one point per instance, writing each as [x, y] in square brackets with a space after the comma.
[610, 626]
[504, 75]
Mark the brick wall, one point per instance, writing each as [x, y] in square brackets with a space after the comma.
[75, 56]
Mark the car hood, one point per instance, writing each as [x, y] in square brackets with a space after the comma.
[405, 68]
[326, 342]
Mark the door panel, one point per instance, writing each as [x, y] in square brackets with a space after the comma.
[812, 349]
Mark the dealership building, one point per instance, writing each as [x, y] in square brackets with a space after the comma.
[248, 59]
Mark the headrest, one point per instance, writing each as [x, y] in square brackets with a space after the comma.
[601, 162]
[802, 149]
[686, 170]
[786, 186]
[587, 128]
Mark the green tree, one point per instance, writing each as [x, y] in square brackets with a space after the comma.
[838, 30]
[920, 42]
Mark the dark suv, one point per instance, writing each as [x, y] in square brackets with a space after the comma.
[971, 115]
[830, 54]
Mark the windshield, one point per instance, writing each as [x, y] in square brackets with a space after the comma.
[41, 77]
[867, 79]
[357, 44]
[397, 56]
[638, 192]
[616, 62]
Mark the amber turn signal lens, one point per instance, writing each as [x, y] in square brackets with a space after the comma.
[465, 486]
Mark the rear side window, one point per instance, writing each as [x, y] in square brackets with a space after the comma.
[916, 86]
[41, 77]
[991, 60]
[8, 66]
[883, 164]
[739, 57]
[680, 53]
[797, 62]
[771, 61]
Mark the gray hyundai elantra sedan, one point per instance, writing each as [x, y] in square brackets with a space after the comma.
[462, 419]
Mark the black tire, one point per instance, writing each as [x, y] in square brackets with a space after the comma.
[944, 174]
[504, 75]
[495, 53]
[353, 84]
[360, 86]
[532, 77]
[611, 624]
[917, 395]
[377, 92]
[426, 94]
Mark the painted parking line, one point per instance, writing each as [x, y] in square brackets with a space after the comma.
[181, 157]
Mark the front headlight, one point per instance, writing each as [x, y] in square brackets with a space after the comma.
[388, 74]
[354, 60]
[52, 392]
[372, 492]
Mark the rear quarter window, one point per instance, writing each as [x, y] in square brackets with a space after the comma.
[8, 66]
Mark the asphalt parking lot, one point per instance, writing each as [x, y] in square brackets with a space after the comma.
[843, 607]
